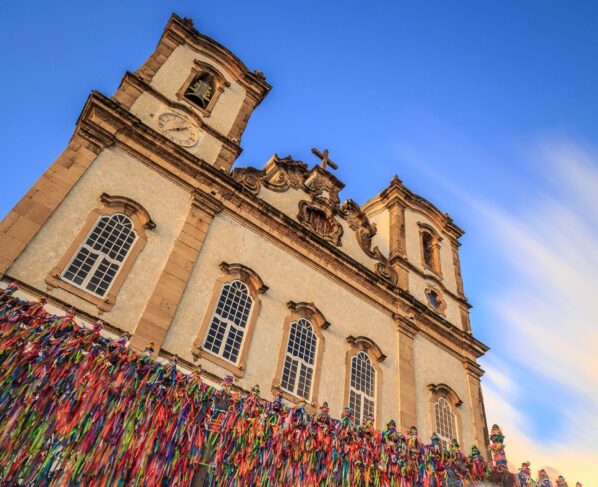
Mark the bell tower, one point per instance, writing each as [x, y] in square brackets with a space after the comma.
[114, 226]
[194, 92]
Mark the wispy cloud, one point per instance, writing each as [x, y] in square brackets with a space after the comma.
[534, 232]
[547, 313]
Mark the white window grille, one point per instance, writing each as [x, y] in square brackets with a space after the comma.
[362, 390]
[299, 361]
[229, 320]
[446, 424]
[102, 254]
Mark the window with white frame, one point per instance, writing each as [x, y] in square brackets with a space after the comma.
[362, 388]
[102, 254]
[229, 320]
[299, 361]
[446, 424]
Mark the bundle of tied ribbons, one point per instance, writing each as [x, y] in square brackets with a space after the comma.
[79, 409]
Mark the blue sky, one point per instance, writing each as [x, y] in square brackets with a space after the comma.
[488, 109]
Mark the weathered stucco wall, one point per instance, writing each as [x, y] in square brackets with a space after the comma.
[149, 108]
[169, 79]
[287, 201]
[115, 173]
[174, 72]
[288, 278]
[433, 365]
[381, 219]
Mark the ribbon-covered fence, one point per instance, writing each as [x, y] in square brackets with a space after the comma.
[79, 409]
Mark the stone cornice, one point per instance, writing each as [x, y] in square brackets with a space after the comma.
[398, 193]
[184, 32]
[434, 278]
[106, 119]
[207, 203]
[473, 368]
[417, 318]
[406, 325]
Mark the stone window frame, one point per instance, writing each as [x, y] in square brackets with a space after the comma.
[220, 83]
[425, 228]
[442, 308]
[319, 323]
[438, 391]
[256, 287]
[367, 345]
[111, 205]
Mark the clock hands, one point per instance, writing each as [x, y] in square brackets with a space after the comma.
[178, 129]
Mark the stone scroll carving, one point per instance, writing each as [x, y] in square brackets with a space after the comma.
[250, 178]
[279, 174]
[320, 218]
[364, 232]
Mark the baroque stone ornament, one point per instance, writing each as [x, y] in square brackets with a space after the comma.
[360, 224]
[324, 187]
[320, 218]
[319, 212]
[250, 178]
[279, 174]
[284, 174]
[364, 232]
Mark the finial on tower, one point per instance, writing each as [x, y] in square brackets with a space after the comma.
[395, 181]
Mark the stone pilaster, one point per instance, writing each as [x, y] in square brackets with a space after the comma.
[406, 331]
[473, 374]
[23, 222]
[397, 244]
[159, 312]
[457, 265]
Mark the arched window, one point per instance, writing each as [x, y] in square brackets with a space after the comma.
[362, 388]
[430, 247]
[229, 320]
[201, 90]
[202, 87]
[101, 255]
[98, 260]
[444, 407]
[227, 327]
[297, 374]
[299, 362]
[444, 418]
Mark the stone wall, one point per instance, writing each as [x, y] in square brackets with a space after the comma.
[115, 173]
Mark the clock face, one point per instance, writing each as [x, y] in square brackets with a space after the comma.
[178, 129]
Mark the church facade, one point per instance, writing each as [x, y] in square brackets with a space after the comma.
[263, 274]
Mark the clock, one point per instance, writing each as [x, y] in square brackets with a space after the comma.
[178, 129]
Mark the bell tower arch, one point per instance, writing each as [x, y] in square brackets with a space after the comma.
[194, 92]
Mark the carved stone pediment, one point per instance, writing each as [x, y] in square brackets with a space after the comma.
[319, 218]
[279, 174]
[284, 174]
[319, 213]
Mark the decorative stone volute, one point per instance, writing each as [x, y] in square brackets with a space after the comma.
[279, 174]
[319, 217]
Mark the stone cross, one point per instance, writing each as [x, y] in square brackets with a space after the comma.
[324, 156]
